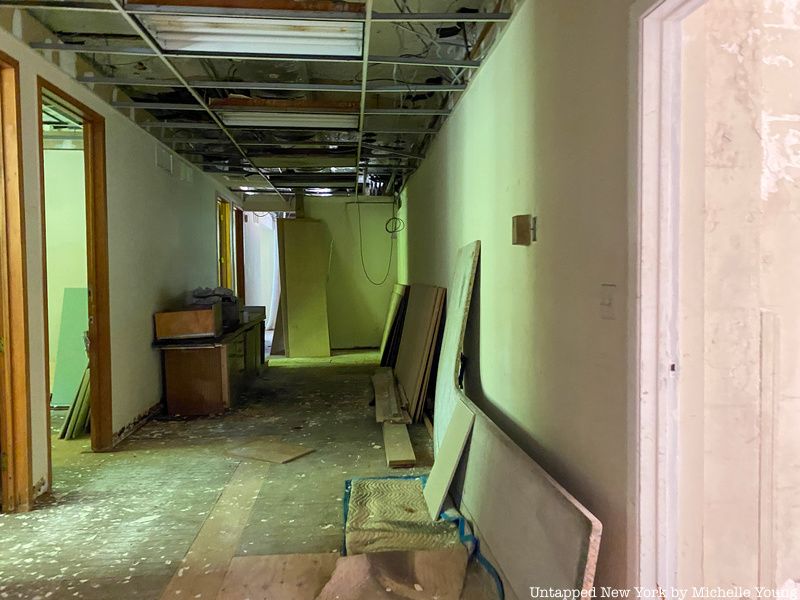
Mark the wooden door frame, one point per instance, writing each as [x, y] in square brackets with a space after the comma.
[15, 407]
[238, 230]
[225, 250]
[94, 140]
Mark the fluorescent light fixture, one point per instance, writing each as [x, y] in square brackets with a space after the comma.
[233, 35]
[320, 191]
[286, 119]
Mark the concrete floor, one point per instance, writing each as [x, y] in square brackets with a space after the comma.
[119, 524]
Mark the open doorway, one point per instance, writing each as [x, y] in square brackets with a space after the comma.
[261, 267]
[717, 308]
[66, 276]
[75, 267]
[16, 479]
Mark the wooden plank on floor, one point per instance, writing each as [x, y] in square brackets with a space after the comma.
[397, 444]
[387, 403]
[419, 574]
[202, 570]
[446, 463]
[270, 448]
[281, 576]
[428, 424]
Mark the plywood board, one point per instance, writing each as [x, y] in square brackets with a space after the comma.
[389, 354]
[397, 444]
[306, 250]
[270, 449]
[459, 296]
[81, 413]
[283, 577]
[278, 347]
[416, 341]
[71, 358]
[79, 404]
[446, 463]
[418, 575]
[283, 325]
[398, 295]
[203, 569]
[532, 529]
[419, 404]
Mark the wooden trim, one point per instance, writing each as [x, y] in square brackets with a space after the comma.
[15, 408]
[45, 299]
[238, 225]
[225, 271]
[97, 256]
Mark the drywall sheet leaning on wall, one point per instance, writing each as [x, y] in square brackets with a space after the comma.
[530, 527]
[458, 300]
[305, 255]
[445, 465]
[417, 343]
[71, 358]
[394, 325]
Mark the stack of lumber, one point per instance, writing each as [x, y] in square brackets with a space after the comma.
[400, 394]
[387, 402]
[390, 343]
[393, 418]
[418, 343]
[77, 421]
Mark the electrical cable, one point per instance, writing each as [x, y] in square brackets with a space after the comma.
[392, 226]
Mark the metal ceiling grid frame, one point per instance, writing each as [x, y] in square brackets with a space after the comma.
[323, 97]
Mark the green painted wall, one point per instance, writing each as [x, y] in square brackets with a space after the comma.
[65, 214]
[543, 130]
[356, 307]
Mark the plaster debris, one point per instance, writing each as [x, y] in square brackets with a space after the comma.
[119, 524]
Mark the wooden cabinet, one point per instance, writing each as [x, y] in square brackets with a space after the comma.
[204, 377]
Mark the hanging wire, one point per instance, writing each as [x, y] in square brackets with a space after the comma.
[392, 226]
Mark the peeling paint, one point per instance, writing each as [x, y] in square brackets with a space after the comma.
[781, 151]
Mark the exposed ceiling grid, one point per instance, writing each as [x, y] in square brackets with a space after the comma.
[323, 97]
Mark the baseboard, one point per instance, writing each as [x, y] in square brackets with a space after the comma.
[136, 424]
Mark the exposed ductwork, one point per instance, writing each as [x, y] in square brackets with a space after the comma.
[278, 101]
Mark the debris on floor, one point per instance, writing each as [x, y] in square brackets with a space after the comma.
[417, 575]
[410, 575]
[270, 449]
[119, 524]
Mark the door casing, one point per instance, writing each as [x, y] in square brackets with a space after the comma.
[15, 409]
[97, 256]
[654, 192]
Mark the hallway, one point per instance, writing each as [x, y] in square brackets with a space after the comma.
[119, 524]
